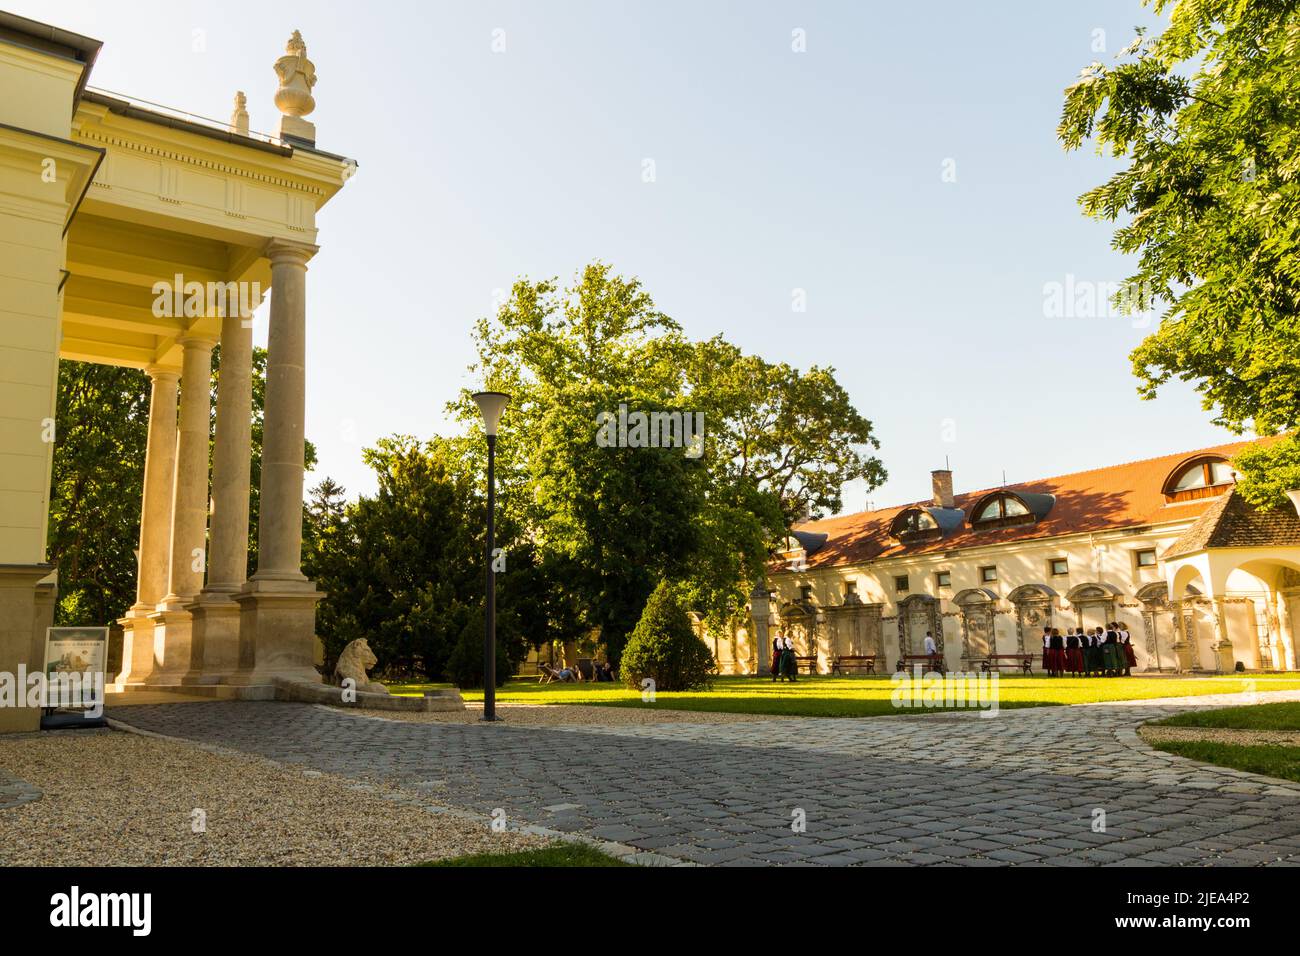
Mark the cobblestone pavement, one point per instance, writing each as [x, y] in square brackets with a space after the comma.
[1025, 787]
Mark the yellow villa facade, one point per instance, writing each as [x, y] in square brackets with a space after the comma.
[134, 236]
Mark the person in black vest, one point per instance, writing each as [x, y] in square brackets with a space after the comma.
[1047, 649]
[1074, 652]
[1112, 656]
[1056, 654]
[777, 648]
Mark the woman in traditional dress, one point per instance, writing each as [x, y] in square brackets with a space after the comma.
[777, 648]
[789, 666]
[1047, 650]
[1126, 646]
[1112, 656]
[1074, 652]
[1057, 653]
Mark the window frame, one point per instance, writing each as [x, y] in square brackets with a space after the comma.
[943, 579]
[1137, 558]
[1051, 567]
[907, 584]
[985, 578]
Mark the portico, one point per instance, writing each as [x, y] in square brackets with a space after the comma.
[109, 205]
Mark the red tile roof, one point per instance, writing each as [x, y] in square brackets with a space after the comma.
[1104, 499]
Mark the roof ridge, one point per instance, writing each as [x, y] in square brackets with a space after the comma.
[979, 492]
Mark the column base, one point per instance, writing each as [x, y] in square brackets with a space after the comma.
[22, 637]
[277, 632]
[214, 646]
[137, 648]
[1224, 660]
[173, 637]
[1183, 654]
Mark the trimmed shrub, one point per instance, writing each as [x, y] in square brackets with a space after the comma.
[664, 648]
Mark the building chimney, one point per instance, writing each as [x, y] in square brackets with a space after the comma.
[941, 479]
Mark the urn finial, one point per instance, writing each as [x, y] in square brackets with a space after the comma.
[297, 76]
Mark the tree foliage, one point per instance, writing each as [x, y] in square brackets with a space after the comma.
[776, 443]
[1208, 115]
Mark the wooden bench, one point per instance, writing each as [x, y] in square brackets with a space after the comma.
[995, 662]
[933, 662]
[809, 662]
[854, 662]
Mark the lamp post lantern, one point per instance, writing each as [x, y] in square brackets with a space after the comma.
[491, 405]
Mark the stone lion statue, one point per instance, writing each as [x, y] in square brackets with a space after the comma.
[356, 659]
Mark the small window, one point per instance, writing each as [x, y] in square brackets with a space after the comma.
[805, 593]
[900, 583]
[850, 588]
[943, 579]
[989, 574]
[1146, 558]
[1059, 566]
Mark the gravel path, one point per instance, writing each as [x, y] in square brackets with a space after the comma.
[123, 799]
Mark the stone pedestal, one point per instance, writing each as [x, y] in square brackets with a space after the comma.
[1224, 661]
[214, 643]
[1183, 654]
[172, 639]
[277, 628]
[137, 648]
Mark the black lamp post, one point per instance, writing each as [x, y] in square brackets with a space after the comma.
[490, 405]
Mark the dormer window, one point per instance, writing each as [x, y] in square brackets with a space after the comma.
[999, 510]
[1200, 478]
[914, 523]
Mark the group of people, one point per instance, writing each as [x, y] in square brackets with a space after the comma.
[1101, 652]
[784, 666]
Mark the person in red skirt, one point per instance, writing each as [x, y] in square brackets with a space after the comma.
[1074, 652]
[777, 647]
[1126, 645]
[1056, 654]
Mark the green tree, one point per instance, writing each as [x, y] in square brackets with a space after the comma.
[665, 648]
[618, 520]
[1208, 116]
[101, 429]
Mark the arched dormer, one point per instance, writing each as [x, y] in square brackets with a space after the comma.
[1205, 476]
[914, 524]
[919, 523]
[1001, 509]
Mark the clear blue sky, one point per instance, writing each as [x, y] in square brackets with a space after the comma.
[775, 171]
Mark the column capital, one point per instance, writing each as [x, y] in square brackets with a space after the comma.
[197, 340]
[162, 373]
[294, 253]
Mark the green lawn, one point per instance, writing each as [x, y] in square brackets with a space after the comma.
[1273, 760]
[1259, 717]
[1269, 759]
[558, 854]
[823, 696]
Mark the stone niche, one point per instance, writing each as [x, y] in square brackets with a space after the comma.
[855, 628]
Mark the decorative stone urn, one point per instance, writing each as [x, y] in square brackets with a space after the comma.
[297, 76]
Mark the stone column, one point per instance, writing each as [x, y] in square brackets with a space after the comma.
[214, 651]
[1223, 657]
[1182, 639]
[155, 529]
[760, 610]
[278, 605]
[188, 553]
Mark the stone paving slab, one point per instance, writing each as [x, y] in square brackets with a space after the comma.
[15, 792]
[1024, 787]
